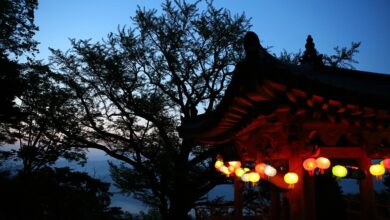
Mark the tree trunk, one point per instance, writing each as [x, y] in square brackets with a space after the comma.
[179, 210]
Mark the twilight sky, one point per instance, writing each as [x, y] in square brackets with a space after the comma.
[279, 23]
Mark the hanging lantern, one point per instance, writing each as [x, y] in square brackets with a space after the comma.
[245, 177]
[234, 165]
[218, 164]
[253, 177]
[310, 164]
[386, 163]
[231, 169]
[323, 163]
[240, 171]
[291, 178]
[225, 170]
[377, 170]
[339, 171]
[259, 168]
[270, 171]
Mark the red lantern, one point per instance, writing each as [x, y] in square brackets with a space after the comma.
[386, 164]
[259, 168]
[323, 164]
[310, 165]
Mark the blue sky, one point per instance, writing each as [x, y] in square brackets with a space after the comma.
[281, 24]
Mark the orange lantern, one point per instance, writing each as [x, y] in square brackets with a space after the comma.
[231, 169]
[234, 165]
[291, 178]
[377, 170]
[259, 168]
[386, 163]
[310, 164]
[323, 163]
[253, 177]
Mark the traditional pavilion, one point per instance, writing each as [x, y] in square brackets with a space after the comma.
[282, 114]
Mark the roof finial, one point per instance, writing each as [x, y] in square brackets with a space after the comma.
[311, 55]
[251, 44]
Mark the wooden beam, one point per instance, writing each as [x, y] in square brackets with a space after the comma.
[352, 152]
[341, 152]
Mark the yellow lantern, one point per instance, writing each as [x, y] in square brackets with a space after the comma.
[323, 163]
[218, 164]
[259, 168]
[339, 171]
[245, 177]
[291, 178]
[270, 171]
[377, 170]
[239, 172]
[310, 164]
[253, 177]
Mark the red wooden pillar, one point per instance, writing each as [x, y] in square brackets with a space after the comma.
[238, 185]
[275, 208]
[296, 196]
[367, 199]
[310, 197]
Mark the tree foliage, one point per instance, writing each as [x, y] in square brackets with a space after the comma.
[17, 26]
[40, 145]
[16, 31]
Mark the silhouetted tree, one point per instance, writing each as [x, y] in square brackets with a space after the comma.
[55, 194]
[39, 144]
[16, 31]
[127, 95]
[152, 214]
[17, 26]
[329, 198]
